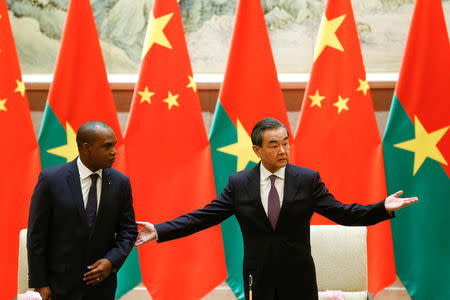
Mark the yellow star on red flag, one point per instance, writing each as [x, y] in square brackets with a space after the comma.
[316, 99]
[192, 84]
[155, 33]
[3, 105]
[146, 95]
[171, 100]
[363, 86]
[20, 88]
[341, 104]
[327, 35]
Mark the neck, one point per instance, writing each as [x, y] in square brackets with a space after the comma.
[87, 164]
[271, 170]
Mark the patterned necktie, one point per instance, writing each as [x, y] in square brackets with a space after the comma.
[274, 202]
[91, 206]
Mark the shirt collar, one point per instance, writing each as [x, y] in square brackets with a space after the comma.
[85, 172]
[265, 173]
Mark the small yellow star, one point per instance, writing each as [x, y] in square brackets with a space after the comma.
[424, 145]
[327, 35]
[20, 87]
[171, 100]
[242, 149]
[146, 95]
[192, 83]
[155, 34]
[3, 105]
[70, 150]
[341, 104]
[316, 99]
[363, 86]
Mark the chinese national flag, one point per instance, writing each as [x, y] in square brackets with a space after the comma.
[249, 93]
[80, 92]
[417, 155]
[337, 132]
[19, 156]
[169, 161]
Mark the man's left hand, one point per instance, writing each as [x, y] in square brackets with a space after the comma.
[393, 203]
[98, 272]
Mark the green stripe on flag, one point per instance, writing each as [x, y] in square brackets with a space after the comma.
[52, 135]
[419, 231]
[223, 133]
[129, 274]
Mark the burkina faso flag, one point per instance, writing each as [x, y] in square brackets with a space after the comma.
[417, 155]
[249, 93]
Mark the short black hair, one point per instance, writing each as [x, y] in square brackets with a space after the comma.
[87, 133]
[266, 123]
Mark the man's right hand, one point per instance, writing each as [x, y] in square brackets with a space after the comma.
[146, 234]
[45, 292]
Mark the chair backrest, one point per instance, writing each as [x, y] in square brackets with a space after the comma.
[340, 256]
[22, 276]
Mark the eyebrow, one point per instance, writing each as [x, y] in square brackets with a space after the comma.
[276, 141]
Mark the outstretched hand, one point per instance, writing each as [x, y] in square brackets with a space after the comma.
[146, 234]
[393, 202]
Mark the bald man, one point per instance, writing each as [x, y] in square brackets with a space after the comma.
[81, 223]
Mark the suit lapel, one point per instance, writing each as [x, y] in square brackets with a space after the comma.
[254, 190]
[73, 179]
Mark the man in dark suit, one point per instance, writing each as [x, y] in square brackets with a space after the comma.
[273, 203]
[81, 224]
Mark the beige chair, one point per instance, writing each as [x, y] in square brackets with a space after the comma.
[340, 256]
[22, 276]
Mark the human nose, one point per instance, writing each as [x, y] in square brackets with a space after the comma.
[113, 151]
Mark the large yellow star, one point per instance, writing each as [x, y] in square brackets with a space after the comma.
[70, 150]
[327, 35]
[171, 100]
[192, 83]
[424, 145]
[316, 100]
[3, 105]
[155, 34]
[242, 148]
[363, 86]
[146, 95]
[20, 87]
[341, 104]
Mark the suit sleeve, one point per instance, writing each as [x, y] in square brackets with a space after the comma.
[346, 214]
[126, 230]
[38, 234]
[212, 214]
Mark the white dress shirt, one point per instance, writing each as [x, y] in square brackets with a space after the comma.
[86, 181]
[265, 185]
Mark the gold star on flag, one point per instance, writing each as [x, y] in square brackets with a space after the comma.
[242, 148]
[70, 150]
[341, 104]
[316, 100]
[192, 83]
[155, 34]
[20, 87]
[363, 86]
[171, 100]
[327, 35]
[3, 105]
[424, 145]
[146, 95]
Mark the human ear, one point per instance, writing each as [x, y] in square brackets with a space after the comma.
[257, 150]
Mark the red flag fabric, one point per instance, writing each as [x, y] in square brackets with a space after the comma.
[80, 91]
[169, 161]
[337, 132]
[19, 156]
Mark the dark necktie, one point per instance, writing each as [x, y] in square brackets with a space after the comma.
[274, 202]
[91, 206]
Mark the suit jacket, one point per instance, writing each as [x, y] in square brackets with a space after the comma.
[278, 259]
[59, 244]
